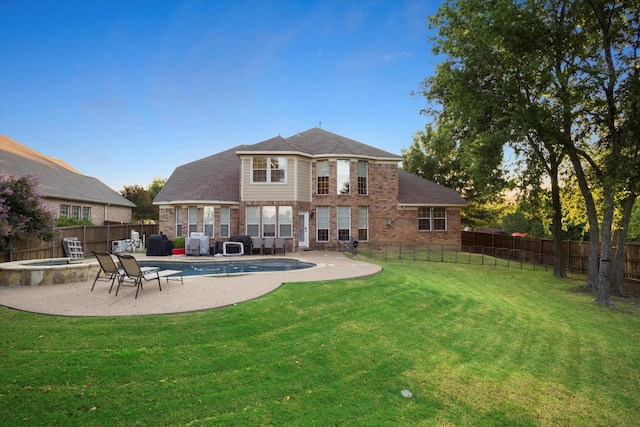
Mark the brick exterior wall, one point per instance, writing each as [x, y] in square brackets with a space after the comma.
[387, 221]
[99, 212]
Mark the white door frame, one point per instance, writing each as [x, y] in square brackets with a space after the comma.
[303, 229]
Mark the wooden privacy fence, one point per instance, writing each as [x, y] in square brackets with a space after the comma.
[93, 238]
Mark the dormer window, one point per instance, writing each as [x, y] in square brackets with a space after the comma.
[268, 169]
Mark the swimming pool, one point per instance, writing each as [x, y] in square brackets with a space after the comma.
[228, 267]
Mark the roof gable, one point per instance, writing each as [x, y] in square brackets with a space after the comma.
[419, 191]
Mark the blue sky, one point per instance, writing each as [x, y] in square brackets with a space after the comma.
[127, 90]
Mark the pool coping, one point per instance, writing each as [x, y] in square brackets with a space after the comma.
[196, 294]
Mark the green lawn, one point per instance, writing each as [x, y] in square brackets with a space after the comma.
[476, 346]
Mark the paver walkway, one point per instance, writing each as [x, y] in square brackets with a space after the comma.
[197, 293]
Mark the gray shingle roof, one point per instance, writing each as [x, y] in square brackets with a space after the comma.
[214, 178]
[56, 180]
[217, 177]
[318, 142]
[416, 190]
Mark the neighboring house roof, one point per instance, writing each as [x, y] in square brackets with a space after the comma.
[217, 178]
[419, 191]
[194, 181]
[57, 179]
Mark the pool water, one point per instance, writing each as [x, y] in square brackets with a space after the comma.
[228, 267]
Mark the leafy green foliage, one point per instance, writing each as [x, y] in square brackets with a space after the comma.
[68, 222]
[178, 243]
[144, 205]
[22, 213]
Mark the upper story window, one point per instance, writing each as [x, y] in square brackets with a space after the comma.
[268, 169]
[362, 178]
[343, 168]
[322, 177]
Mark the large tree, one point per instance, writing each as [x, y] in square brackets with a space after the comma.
[539, 75]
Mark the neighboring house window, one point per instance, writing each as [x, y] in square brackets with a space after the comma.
[207, 219]
[64, 211]
[343, 176]
[192, 215]
[322, 176]
[268, 221]
[432, 219]
[362, 178]
[322, 223]
[424, 218]
[440, 219]
[253, 221]
[363, 223]
[225, 220]
[86, 213]
[75, 212]
[285, 221]
[268, 169]
[344, 223]
[179, 221]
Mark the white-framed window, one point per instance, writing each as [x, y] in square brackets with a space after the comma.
[439, 219]
[179, 221]
[225, 221]
[86, 213]
[344, 223]
[322, 177]
[343, 170]
[75, 212]
[432, 219]
[268, 169]
[207, 220]
[363, 188]
[192, 216]
[253, 221]
[322, 224]
[363, 223]
[268, 221]
[285, 221]
[65, 211]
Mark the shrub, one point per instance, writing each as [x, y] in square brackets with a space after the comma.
[178, 242]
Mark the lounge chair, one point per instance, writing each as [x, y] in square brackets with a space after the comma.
[268, 244]
[257, 245]
[279, 244]
[136, 275]
[108, 269]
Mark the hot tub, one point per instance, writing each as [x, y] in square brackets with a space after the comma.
[47, 271]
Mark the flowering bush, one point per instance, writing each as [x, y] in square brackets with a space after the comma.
[21, 211]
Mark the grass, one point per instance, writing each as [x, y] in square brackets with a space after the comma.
[476, 346]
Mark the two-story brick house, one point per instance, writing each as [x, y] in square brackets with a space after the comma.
[313, 189]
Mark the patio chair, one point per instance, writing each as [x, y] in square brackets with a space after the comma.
[136, 275]
[109, 271]
[257, 245]
[268, 244]
[278, 244]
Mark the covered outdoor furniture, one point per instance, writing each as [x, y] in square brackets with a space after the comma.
[197, 244]
[134, 274]
[246, 241]
[109, 271]
[268, 245]
[159, 245]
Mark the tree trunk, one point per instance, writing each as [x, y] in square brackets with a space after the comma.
[558, 258]
[606, 254]
[617, 271]
[592, 215]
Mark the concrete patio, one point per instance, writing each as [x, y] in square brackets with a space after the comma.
[197, 293]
